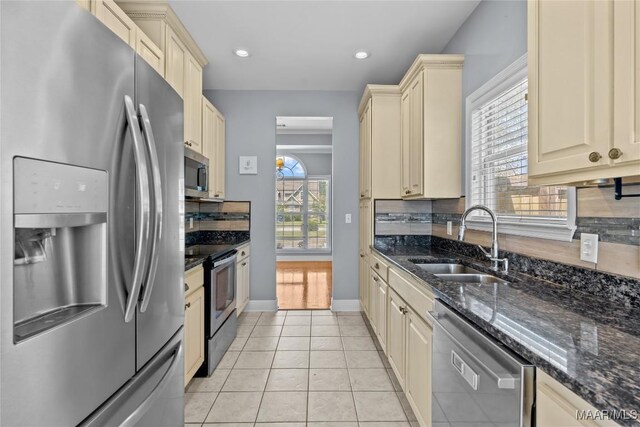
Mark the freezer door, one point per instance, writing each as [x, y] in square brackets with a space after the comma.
[161, 306]
[153, 398]
[64, 81]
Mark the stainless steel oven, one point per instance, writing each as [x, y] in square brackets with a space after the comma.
[221, 322]
[475, 379]
[196, 174]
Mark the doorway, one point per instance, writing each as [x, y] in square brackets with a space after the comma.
[303, 212]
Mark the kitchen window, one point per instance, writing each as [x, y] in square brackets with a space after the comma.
[497, 136]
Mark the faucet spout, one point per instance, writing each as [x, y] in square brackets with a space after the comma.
[493, 255]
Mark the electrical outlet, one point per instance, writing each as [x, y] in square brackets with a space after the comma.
[589, 247]
[190, 223]
[347, 218]
[449, 228]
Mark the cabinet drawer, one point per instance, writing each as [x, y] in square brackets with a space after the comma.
[379, 266]
[244, 251]
[193, 279]
[418, 297]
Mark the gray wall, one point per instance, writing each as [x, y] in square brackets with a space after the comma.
[303, 139]
[251, 131]
[493, 36]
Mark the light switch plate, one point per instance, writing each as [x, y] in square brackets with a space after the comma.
[248, 165]
[589, 247]
[347, 218]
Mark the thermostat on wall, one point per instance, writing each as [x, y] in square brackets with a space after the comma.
[248, 165]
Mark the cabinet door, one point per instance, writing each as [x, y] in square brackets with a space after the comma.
[193, 334]
[365, 152]
[175, 59]
[570, 85]
[209, 141]
[363, 282]
[151, 53]
[219, 188]
[110, 14]
[626, 97]
[373, 300]
[239, 286]
[192, 102]
[418, 368]
[405, 142]
[396, 335]
[416, 136]
[365, 226]
[381, 313]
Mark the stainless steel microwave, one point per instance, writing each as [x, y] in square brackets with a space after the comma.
[196, 174]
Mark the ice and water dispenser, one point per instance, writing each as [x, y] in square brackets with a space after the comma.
[60, 239]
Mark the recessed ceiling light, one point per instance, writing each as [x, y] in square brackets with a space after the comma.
[242, 53]
[361, 54]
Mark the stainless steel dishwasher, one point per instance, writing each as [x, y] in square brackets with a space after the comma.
[475, 379]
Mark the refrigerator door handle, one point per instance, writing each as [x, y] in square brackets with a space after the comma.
[157, 205]
[142, 210]
[135, 416]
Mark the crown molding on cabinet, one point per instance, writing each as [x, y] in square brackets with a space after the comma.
[162, 10]
[381, 90]
[431, 61]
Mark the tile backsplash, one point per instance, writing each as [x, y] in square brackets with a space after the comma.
[215, 222]
[617, 222]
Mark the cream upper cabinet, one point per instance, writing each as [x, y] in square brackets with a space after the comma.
[213, 147]
[583, 90]
[430, 127]
[556, 405]
[366, 228]
[151, 53]
[219, 184]
[380, 142]
[110, 14]
[418, 364]
[175, 63]
[365, 152]
[396, 335]
[193, 333]
[192, 103]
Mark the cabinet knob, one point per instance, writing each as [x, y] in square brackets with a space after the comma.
[242, 253]
[594, 157]
[361, 256]
[375, 278]
[615, 153]
[187, 305]
[403, 310]
[244, 263]
[377, 266]
[187, 143]
[407, 192]
[186, 287]
[216, 195]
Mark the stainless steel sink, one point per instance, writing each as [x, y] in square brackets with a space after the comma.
[471, 278]
[447, 269]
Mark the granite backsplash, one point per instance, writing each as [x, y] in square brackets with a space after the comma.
[213, 223]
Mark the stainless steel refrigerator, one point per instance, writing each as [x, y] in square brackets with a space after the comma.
[91, 228]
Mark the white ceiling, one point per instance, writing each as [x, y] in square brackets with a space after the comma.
[309, 45]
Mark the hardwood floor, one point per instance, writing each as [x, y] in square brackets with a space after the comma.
[303, 285]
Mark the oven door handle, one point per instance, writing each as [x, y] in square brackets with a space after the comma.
[225, 261]
[504, 380]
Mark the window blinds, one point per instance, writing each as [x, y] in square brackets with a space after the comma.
[499, 138]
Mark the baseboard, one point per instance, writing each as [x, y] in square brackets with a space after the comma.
[262, 305]
[345, 305]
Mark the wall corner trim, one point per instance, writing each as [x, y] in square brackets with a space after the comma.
[262, 305]
[345, 305]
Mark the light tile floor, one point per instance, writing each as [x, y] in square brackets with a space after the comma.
[300, 369]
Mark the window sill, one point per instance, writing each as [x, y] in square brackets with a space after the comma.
[560, 232]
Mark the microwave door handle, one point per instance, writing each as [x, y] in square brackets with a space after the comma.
[157, 205]
[142, 209]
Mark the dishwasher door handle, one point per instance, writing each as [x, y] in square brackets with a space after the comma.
[504, 381]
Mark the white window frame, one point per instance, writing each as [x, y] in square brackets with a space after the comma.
[530, 227]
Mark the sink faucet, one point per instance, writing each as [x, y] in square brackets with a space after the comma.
[493, 255]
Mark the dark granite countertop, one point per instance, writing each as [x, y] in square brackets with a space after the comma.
[198, 254]
[589, 344]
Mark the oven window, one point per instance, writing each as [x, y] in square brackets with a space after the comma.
[225, 289]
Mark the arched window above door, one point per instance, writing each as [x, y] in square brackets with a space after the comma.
[292, 168]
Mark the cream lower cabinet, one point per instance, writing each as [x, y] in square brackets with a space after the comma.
[378, 301]
[373, 300]
[365, 235]
[584, 95]
[556, 405]
[363, 275]
[193, 322]
[243, 278]
[409, 349]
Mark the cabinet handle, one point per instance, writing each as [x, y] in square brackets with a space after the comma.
[361, 256]
[187, 143]
[403, 310]
[244, 263]
[186, 287]
[361, 195]
[615, 153]
[407, 192]
[216, 195]
[242, 253]
[375, 278]
[377, 266]
[187, 305]
[594, 157]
